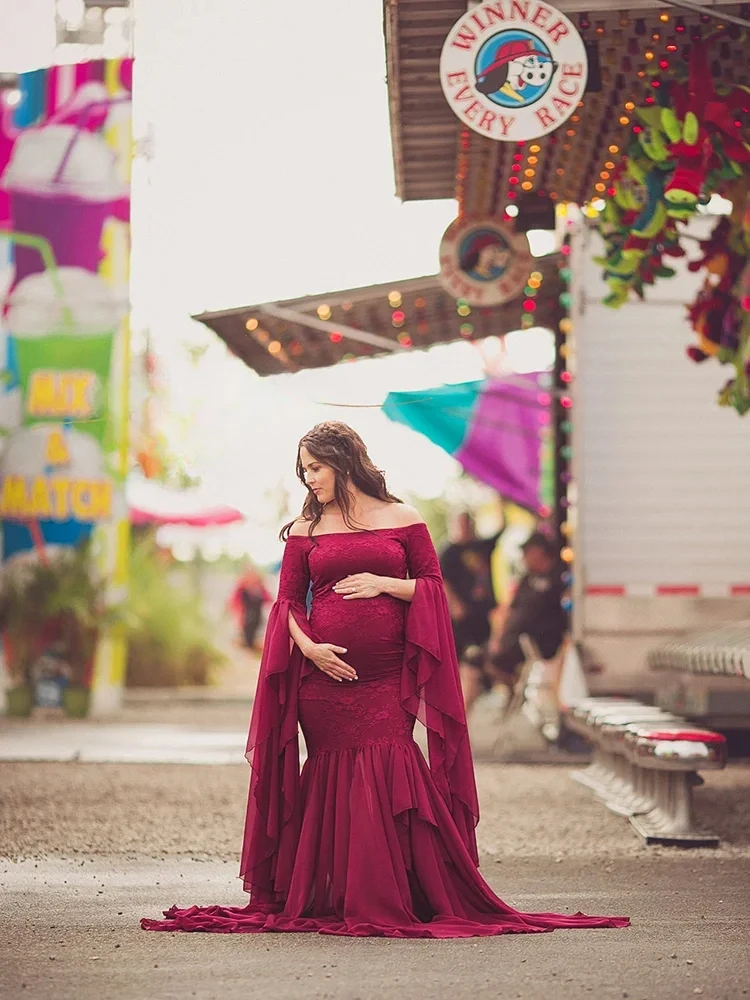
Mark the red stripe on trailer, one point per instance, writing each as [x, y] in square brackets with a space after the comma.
[669, 590]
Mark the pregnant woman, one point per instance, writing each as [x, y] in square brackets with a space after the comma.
[368, 839]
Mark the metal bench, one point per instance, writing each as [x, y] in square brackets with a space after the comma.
[644, 765]
[724, 651]
[589, 721]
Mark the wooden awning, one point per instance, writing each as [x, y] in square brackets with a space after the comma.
[433, 158]
[323, 330]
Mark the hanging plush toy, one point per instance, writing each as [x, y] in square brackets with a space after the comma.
[691, 153]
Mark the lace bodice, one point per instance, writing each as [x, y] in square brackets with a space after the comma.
[372, 630]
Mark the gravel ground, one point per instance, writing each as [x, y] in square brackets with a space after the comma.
[67, 810]
[95, 847]
[90, 848]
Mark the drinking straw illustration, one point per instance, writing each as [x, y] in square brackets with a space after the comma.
[44, 248]
[83, 116]
[81, 102]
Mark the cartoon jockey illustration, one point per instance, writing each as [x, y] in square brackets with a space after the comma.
[520, 70]
[484, 256]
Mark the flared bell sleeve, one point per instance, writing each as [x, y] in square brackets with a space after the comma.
[273, 810]
[431, 686]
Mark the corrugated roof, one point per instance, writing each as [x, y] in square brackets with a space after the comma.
[433, 158]
[322, 330]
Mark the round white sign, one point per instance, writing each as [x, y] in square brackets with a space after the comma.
[513, 69]
[484, 262]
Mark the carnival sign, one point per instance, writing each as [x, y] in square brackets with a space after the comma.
[484, 262]
[513, 69]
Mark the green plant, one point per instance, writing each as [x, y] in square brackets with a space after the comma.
[60, 600]
[169, 641]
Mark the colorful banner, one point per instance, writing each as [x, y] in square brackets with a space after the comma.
[497, 429]
[65, 156]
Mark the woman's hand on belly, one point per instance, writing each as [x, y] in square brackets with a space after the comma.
[323, 655]
[367, 585]
[359, 586]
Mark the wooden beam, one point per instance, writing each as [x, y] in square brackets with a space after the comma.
[314, 323]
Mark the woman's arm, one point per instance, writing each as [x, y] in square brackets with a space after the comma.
[401, 589]
[293, 584]
[304, 642]
[360, 586]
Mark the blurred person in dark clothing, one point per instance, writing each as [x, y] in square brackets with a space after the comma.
[467, 574]
[536, 610]
[247, 602]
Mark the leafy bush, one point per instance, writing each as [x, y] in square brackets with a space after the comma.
[169, 641]
[59, 600]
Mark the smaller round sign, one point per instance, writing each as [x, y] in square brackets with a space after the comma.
[484, 262]
[513, 70]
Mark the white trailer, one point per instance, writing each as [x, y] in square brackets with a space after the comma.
[661, 489]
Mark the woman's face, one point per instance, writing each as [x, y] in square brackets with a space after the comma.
[320, 478]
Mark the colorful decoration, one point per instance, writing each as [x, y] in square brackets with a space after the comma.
[560, 437]
[689, 144]
[720, 313]
[65, 155]
[494, 428]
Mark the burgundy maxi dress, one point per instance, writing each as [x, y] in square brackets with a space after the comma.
[368, 839]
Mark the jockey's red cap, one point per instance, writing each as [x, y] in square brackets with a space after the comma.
[521, 48]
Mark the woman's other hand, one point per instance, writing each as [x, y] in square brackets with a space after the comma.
[361, 585]
[324, 656]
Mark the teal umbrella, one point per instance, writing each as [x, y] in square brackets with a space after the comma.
[496, 428]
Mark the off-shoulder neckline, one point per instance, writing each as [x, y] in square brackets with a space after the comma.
[361, 531]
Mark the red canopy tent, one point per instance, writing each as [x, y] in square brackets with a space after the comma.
[154, 504]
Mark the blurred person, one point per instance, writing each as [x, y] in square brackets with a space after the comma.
[369, 840]
[247, 600]
[466, 564]
[536, 610]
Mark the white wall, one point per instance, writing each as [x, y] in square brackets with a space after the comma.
[665, 471]
[664, 480]
[27, 34]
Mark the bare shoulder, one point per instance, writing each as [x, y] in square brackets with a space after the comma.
[299, 528]
[403, 515]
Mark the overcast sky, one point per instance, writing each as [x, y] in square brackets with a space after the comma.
[271, 178]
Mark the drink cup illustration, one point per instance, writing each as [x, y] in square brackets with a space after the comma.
[63, 183]
[61, 329]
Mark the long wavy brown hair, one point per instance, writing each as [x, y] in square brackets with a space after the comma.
[338, 446]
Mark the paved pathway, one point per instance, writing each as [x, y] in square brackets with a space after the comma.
[73, 928]
[200, 726]
[120, 744]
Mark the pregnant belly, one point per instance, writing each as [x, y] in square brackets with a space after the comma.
[372, 631]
